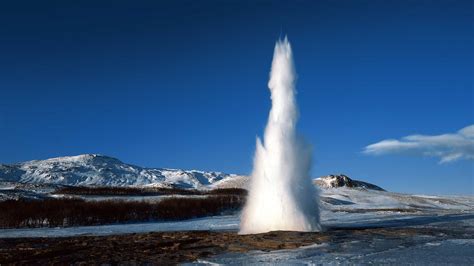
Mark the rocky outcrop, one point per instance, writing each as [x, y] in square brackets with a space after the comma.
[335, 181]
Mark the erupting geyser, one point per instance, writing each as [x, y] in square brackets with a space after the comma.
[281, 195]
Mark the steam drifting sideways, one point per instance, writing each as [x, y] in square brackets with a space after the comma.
[281, 195]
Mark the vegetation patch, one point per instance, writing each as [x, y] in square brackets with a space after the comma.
[77, 212]
[144, 191]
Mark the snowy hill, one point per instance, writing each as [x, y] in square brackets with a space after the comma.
[336, 181]
[99, 170]
[234, 181]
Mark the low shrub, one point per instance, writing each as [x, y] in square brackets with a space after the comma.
[75, 212]
[144, 191]
[124, 191]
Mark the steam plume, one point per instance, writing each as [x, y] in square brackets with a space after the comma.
[281, 195]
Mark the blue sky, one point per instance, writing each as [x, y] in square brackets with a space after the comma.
[184, 84]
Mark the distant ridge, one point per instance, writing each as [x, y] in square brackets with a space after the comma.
[336, 181]
[100, 170]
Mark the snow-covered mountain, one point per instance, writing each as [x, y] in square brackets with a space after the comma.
[100, 170]
[336, 181]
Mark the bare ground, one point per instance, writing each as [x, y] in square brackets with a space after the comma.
[168, 248]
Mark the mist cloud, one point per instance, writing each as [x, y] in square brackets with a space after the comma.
[448, 147]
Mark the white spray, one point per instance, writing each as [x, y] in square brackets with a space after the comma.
[281, 195]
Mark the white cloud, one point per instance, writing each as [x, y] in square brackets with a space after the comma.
[447, 147]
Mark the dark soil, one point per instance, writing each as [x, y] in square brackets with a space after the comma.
[165, 248]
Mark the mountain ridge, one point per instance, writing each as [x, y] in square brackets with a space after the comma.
[102, 170]
[341, 180]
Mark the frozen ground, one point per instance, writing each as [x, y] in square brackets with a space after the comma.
[374, 227]
[422, 240]
[354, 252]
[214, 223]
[446, 237]
[362, 226]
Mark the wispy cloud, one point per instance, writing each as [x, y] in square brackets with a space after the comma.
[447, 147]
